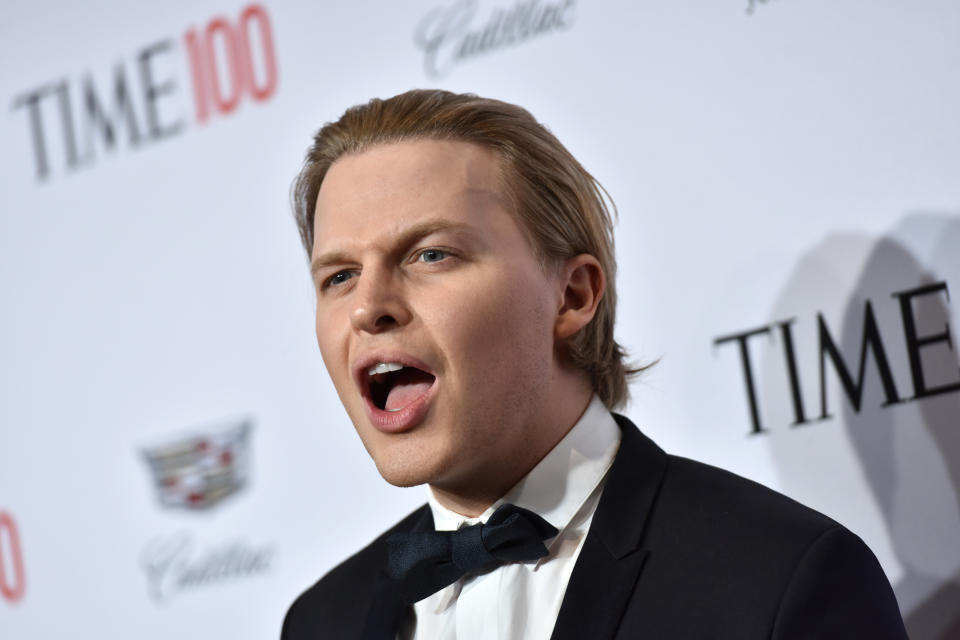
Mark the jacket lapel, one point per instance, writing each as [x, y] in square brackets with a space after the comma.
[387, 611]
[611, 558]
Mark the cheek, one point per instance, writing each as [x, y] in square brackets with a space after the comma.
[501, 332]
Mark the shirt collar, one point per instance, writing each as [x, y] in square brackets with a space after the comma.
[562, 481]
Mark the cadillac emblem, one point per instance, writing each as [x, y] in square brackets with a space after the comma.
[199, 471]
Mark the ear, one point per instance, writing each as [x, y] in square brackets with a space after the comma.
[583, 286]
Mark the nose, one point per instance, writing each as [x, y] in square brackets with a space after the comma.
[379, 304]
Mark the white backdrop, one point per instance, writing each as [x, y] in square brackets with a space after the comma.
[775, 163]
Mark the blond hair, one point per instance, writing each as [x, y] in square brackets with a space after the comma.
[559, 205]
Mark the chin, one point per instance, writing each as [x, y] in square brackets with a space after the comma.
[409, 466]
[405, 475]
[403, 480]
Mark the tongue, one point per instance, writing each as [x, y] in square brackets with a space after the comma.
[407, 388]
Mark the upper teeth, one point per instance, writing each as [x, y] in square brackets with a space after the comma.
[384, 367]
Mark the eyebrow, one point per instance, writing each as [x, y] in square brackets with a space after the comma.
[404, 239]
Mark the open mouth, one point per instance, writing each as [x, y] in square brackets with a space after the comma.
[393, 386]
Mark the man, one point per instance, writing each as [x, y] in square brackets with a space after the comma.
[464, 270]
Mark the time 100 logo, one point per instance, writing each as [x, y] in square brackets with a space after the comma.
[12, 577]
[75, 120]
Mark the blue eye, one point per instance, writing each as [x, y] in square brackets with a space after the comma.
[339, 278]
[432, 255]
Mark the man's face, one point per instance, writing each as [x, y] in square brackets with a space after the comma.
[420, 264]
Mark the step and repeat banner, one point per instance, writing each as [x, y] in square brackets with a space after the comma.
[174, 461]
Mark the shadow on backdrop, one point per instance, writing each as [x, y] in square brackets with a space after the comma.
[905, 434]
[913, 465]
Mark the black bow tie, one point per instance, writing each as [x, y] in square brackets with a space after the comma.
[422, 563]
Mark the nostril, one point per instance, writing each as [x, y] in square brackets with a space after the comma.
[385, 320]
[368, 318]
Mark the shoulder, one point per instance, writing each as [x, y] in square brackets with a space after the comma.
[707, 522]
[823, 580]
[678, 500]
[341, 597]
[724, 552]
[775, 566]
[704, 495]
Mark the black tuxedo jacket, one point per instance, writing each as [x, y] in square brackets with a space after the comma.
[676, 549]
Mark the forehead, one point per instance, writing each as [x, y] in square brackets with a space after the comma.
[390, 186]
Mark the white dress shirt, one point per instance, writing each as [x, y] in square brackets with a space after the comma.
[522, 599]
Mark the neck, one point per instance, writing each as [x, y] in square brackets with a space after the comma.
[470, 506]
[472, 496]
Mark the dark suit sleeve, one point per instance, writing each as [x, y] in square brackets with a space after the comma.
[286, 632]
[838, 590]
